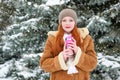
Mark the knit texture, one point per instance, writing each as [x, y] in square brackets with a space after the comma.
[68, 13]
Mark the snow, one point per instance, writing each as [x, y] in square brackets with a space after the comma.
[31, 55]
[100, 19]
[56, 2]
[41, 54]
[4, 69]
[6, 79]
[6, 46]
[22, 17]
[45, 6]
[94, 18]
[35, 5]
[11, 26]
[104, 60]
[0, 20]
[20, 66]
[108, 61]
[29, 3]
[102, 40]
[31, 20]
[26, 74]
[15, 35]
[24, 28]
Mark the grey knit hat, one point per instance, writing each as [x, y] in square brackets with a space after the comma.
[67, 12]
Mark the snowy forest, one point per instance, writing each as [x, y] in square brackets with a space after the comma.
[24, 25]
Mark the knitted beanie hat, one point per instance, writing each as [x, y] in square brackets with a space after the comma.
[67, 12]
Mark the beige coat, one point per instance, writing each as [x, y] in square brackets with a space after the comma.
[84, 61]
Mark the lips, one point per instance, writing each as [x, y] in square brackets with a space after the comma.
[67, 26]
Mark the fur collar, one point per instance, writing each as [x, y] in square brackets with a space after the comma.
[84, 32]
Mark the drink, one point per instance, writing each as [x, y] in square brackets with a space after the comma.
[68, 40]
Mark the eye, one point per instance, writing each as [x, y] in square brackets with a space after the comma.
[71, 20]
[63, 20]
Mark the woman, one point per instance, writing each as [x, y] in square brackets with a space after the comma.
[75, 62]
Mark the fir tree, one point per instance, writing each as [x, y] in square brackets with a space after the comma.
[28, 21]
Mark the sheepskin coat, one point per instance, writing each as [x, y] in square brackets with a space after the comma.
[84, 61]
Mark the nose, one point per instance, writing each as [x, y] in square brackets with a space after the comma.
[67, 22]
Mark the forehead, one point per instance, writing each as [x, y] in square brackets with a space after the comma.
[67, 17]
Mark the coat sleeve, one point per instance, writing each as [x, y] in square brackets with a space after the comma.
[87, 60]
[47, 61]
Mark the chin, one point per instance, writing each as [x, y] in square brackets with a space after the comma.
[68, 31]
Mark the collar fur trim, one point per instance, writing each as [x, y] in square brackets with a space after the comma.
[83, 31]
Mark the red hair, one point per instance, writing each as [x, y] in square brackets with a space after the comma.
[59, 43]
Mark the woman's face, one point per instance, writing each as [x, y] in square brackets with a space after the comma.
[68, 24]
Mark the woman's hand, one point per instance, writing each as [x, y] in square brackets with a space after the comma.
[67, 52]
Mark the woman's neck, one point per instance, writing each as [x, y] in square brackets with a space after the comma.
[67, 33]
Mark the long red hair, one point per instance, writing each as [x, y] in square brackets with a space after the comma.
[59, 43]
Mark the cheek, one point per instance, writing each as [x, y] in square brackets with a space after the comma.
[73, 26]
[63, 26]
